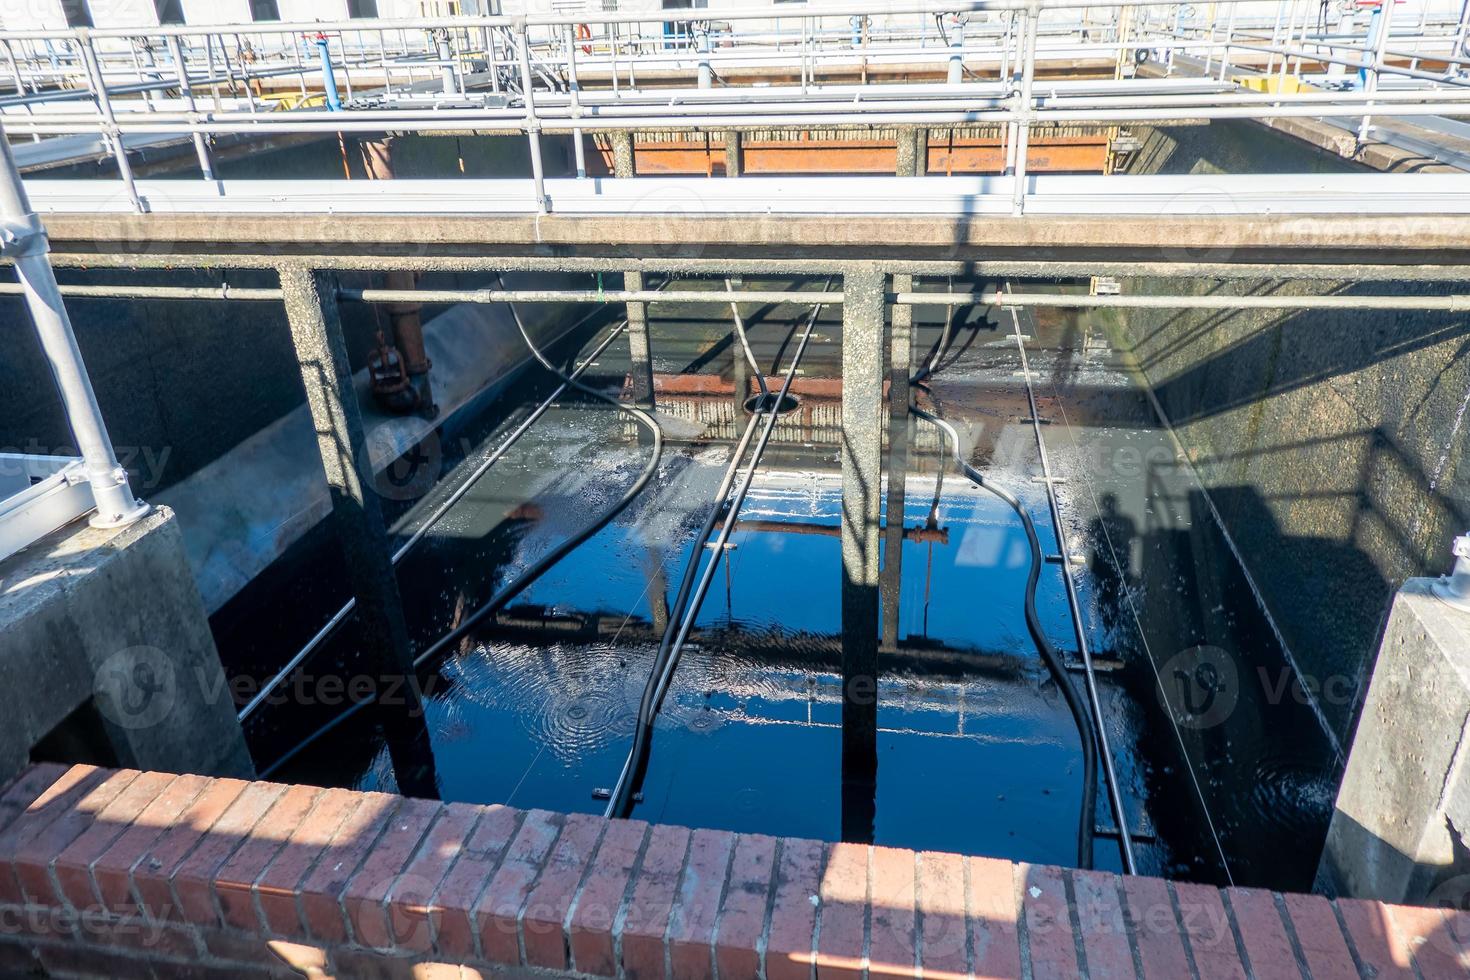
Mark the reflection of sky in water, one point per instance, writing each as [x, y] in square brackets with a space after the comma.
[749, 738]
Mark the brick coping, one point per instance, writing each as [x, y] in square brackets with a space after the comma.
[119, 873]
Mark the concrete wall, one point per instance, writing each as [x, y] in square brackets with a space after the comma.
[1331, 443]
[1401, 828]
[1230, 147]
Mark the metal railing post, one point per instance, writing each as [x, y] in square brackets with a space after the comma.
[24, 240]
[446, 59]
[533, 125]
[201, 148]
[706, 74]
[575, 88]
[956, 53]
[1031, 26]
[492, 61]
[111, 133]
[1229, 36]
[1383, 20]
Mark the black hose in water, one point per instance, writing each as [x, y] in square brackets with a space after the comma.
[1088, 736]
[543, 565]
[622, 796]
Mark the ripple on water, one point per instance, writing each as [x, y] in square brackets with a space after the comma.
[1292, 794]
[574, 701]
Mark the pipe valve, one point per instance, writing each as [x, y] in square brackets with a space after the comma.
[1454, 588]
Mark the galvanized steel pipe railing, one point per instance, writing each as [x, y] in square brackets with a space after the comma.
[23, 240]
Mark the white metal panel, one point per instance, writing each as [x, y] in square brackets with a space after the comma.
[31, 510]
[216, 11]
[123, 13]
[309, 10]
[1124, 195]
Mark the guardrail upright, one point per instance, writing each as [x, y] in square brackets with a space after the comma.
[23, 239]
[1031, 27]
[533, 125]
[111, 133]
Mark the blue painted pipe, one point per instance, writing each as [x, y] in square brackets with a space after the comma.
[329, 80]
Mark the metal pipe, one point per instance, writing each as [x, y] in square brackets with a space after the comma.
[24, 239]
[804, 297]
[1025, 109]
[760, 378]
[1083, 719]
[667, 659]
[1452, 304]
[1384, 19]
[575, 90]
[329, 80]
[201, 148]
[988, 268]
[223, 292]
[1079, 630]
[532, 126]
[109, 123]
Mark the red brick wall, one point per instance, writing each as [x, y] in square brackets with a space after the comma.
[125, 874]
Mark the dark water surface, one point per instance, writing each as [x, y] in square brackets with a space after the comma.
[1223, 776]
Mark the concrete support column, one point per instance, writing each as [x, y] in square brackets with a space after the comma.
[639, 348]
[321, 351]
[734, 154]
[624, 164]
[900, 364]
[862, 412]
[1401, 829]
[913, 153]
[108, 622]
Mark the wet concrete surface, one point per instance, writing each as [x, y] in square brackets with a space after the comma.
[977, 752]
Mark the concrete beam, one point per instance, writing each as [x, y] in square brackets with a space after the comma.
[862, 438]
[1435, 239]
[321, 350]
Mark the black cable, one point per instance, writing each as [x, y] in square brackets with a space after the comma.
[665, 660]
[1085, 829]
[555, 555]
